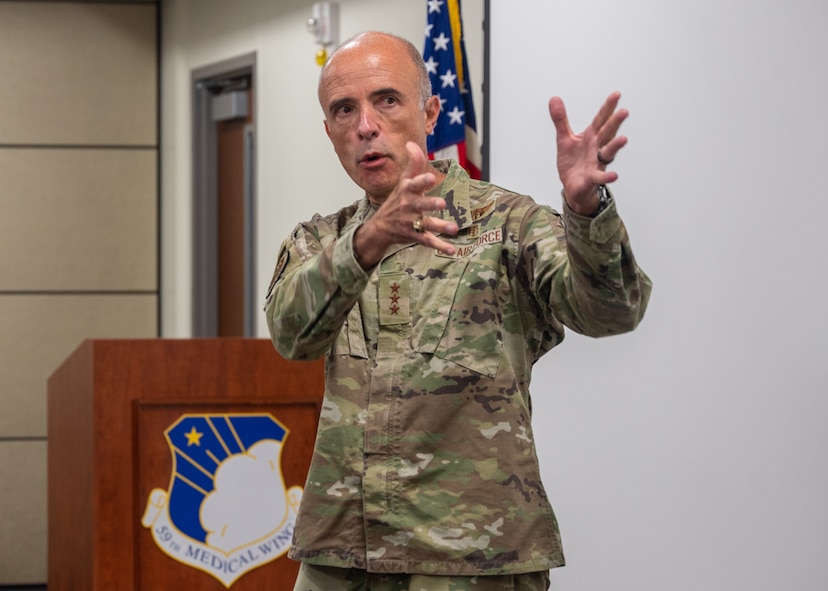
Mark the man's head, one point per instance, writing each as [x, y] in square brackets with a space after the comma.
[376, 96]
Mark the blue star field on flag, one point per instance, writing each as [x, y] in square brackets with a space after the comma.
[455, 134]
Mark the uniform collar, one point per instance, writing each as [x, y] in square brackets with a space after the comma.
[364, 209]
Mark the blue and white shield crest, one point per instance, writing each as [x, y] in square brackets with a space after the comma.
[227, 510]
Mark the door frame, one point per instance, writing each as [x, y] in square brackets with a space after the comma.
[205, 199]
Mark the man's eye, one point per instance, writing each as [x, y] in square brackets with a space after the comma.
[390, 100]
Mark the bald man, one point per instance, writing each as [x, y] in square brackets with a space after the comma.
[431, 297]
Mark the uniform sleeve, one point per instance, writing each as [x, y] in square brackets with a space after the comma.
[316, 283]
[582, 271]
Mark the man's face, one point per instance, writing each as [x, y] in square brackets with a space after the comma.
[370, 94]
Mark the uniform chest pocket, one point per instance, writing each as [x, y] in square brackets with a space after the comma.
[458, 314]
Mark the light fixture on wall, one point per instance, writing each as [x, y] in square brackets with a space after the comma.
[324, 25]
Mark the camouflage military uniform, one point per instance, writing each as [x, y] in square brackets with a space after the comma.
[425, 459]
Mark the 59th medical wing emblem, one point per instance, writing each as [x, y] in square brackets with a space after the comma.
[227, 510]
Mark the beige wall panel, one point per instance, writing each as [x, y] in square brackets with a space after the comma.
[77, 73]
[23, 511]
[78, 219]
[37, 333]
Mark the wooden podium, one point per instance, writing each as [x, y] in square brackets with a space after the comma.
[112, 406]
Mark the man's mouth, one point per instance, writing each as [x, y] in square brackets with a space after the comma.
[372, 159]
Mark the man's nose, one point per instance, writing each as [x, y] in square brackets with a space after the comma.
[367, 124]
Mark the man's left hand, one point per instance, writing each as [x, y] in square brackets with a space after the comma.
[583, 158]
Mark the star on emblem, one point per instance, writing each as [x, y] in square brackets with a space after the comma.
[193, 437]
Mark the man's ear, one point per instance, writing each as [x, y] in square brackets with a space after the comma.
[327, 130]
[432, 111]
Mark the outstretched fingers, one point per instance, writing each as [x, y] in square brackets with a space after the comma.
[606, 125]
[606, 111]
[415, 177]
[583, 158]
[557, 111]
[606, 153]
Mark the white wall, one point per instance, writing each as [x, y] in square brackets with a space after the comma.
[298, 173]
[687, 455]
[690, 454]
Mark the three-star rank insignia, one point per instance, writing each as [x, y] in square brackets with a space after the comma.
[394, 298]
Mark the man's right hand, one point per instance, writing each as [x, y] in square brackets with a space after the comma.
[403, 217]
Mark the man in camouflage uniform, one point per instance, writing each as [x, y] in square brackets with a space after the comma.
[431, 298]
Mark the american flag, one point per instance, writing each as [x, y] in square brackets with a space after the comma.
[455, 135]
